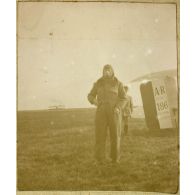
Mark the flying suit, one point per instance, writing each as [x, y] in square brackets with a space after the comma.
[109, 94]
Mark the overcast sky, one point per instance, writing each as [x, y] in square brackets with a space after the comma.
[62, 48]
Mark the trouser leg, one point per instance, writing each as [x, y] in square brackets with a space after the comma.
[115, 136]
[126, 129]
[126, 125]
[100, 134]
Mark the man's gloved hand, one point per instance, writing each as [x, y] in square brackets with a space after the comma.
[116, 110]
[95, 102]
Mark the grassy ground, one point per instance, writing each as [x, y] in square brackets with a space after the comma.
[55, 152]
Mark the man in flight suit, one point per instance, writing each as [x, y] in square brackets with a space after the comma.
[109, 96]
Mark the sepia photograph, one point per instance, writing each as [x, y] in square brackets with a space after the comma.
[98, 96]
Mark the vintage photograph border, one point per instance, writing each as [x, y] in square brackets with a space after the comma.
[177, 3]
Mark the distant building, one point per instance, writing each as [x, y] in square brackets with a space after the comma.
[58, 107]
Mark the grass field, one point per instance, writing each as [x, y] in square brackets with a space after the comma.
[55, 152]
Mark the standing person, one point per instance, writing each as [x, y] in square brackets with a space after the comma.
[127, 111]
[109, 96]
